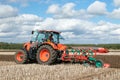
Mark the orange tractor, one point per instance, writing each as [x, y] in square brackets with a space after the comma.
[45, 48]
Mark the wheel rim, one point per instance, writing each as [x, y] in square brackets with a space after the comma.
[44, 55]
[20, 56]
[99, 64]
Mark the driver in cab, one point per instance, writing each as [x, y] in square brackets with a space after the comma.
[50, 39]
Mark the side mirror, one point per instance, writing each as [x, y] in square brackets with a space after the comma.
[61, 37]
[32, 32]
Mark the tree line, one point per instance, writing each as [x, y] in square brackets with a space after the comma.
[108, 46]
[4, 45]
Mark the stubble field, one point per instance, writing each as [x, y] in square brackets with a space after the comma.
[9, 70]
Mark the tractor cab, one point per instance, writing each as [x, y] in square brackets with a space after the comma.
[42, 37]
[46, 36]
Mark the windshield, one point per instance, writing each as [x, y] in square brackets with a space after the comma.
[34, 36]
[41, 36]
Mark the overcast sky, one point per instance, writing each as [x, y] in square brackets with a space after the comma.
[80, 21]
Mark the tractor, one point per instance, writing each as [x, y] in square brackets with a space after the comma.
[45, 48]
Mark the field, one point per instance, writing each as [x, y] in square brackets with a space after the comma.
[9, 70]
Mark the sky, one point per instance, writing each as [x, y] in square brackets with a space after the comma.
[80, 21]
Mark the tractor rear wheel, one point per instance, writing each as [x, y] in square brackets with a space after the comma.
[21, 57]
[46, 55]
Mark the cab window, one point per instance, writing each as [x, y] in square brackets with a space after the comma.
[41, 36]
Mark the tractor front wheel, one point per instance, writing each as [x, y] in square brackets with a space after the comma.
[21, 57]
[46, 55]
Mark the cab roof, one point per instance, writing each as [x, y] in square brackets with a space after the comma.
[50, 31]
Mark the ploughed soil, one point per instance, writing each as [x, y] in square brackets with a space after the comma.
[6, 57]
[113, 60]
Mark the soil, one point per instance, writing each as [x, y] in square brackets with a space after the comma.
[113, 60]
